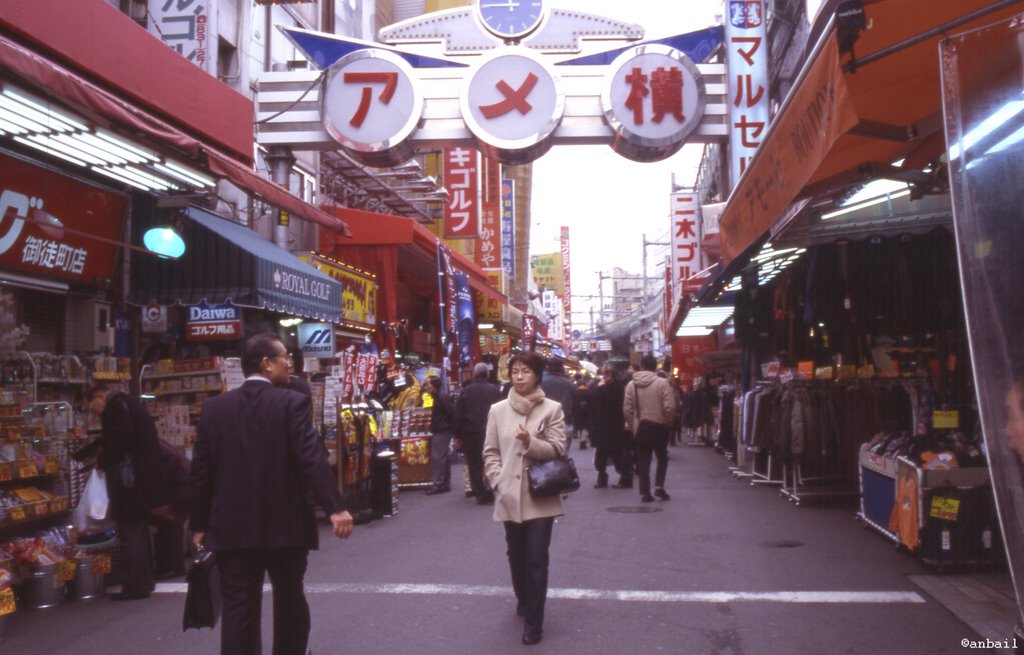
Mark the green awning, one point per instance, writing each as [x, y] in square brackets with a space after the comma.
[226, 261]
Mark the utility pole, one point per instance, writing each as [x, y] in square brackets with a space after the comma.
[600, 287]
[643, 302]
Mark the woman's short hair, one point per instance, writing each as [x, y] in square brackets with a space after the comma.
[256, 348]
[434, 381]
[529, 359]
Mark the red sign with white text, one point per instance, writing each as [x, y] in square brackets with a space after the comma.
[686, 354]
[488, 249]
[47, 220]
[461, 170]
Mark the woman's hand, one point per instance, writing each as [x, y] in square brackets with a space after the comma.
[523, 435]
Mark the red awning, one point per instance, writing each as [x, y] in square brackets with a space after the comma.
[370, 229]
[94, 39]
[78, 92]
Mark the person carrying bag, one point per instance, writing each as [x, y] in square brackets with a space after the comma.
[649, 408]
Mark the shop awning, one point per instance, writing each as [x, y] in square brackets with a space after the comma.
[225, 261]
[74, 90]
[847, 118]
[371, 229]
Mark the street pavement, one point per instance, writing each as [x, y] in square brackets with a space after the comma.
[723, 568]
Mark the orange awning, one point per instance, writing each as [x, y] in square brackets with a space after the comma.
[841, 118]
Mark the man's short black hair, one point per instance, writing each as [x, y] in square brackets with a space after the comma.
[256, 348]
[95, 389]
[555, 365]
[649, 363]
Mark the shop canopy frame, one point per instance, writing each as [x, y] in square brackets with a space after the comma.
[225, 261]
[846, 123]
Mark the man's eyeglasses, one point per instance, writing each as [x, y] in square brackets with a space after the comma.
[286, 356]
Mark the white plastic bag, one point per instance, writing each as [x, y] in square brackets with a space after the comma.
[91, 512]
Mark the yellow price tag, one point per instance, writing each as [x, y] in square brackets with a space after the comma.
[101, 563]
[18, 514]
[52, 465]
[27, 468]
[66, 570]
[6, 601]
[945, 508]
[946, 419]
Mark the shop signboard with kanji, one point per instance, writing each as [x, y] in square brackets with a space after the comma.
[461, 171]
[488, 247]
[48, 221]
[566, 280]
[686, 356]
[189, 27]
[213, 322]
[747, 56]
[508, 226]
[358, 290]
[548, 271]
[686, 236]
[490, 309]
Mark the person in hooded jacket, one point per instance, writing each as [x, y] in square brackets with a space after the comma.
[650, 398]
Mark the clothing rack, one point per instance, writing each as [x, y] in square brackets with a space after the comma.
[796, 487]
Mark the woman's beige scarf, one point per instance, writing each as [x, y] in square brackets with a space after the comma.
[523, 404]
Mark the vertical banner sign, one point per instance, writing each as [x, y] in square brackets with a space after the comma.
[488, 248]
[747, 63]
[449, 310]
[686, 233]
[189, 27]
[566, 282]
[348, 384]
[461, 170]
[669, 297]
[529, 332]
[508, 227]
[464, 310]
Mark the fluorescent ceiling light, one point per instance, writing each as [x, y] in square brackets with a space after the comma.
[863, 205]
[44, 109]
[78, 144]
[195, 177]
[120, 178]
[20, 120]
[49, 151]
[114, 140]
[693, 331]
[1002, 115]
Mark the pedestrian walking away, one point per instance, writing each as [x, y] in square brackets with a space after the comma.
[471, 410]
[649, 407]
[256, 456]
[441, 413]
[523, 429]
[128, 452]
[608, 432]
[558, 387]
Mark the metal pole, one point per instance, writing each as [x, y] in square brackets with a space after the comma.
[280, 160]
[600, 291]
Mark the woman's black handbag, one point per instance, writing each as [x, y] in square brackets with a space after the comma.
[202, 600]
[553, 477]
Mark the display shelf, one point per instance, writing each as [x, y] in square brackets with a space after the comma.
[163, 376]
[107, 376]
[180, 392]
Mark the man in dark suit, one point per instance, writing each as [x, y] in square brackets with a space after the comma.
[256, 467]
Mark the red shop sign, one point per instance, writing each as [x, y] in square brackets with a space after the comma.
[30, 195]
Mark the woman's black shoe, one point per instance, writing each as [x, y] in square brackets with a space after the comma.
[531, 637]
[661, 493]
[647, 498]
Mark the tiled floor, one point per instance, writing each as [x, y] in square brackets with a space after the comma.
[984, 601]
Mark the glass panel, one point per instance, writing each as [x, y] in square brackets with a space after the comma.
[984, 112]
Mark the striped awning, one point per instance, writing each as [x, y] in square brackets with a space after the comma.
[225, 261]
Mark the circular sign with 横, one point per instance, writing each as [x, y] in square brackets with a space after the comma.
[653, 98]
[512, 103]
[370, 104]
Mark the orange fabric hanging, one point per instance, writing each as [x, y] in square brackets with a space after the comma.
[904, 520]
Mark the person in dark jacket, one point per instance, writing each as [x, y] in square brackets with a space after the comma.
[441, 413]
[128, 453]
[256, 467]
[169, 539]
[608, 432]
[557, 386]
[471, 411]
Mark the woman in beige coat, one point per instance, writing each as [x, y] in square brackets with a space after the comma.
[525, 428]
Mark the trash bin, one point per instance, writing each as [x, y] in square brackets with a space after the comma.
[40, 587]
[88, 580]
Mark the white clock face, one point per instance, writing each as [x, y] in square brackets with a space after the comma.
[511, 18]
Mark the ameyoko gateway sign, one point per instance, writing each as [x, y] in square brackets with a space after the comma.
[510, 98]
